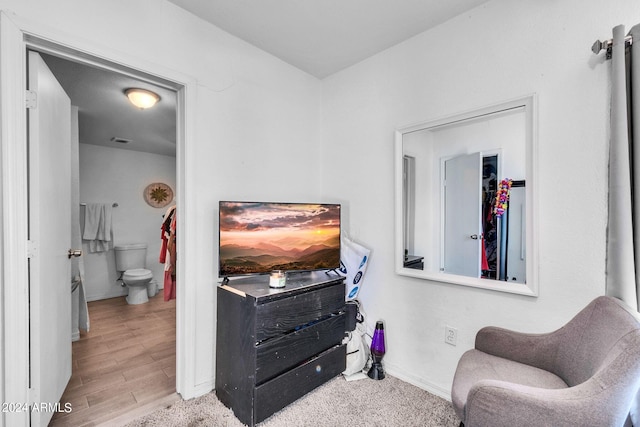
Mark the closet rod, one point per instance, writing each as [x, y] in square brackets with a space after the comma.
[114, 205]
[606, 45]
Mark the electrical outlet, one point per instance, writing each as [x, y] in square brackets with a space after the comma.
[450, 335]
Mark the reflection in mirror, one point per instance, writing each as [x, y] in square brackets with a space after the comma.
[464, 186]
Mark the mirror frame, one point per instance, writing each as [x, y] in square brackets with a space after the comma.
[530, 288]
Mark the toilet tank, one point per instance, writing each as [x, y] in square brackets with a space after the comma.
[130, 256]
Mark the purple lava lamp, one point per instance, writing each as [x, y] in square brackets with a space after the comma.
[376, 371]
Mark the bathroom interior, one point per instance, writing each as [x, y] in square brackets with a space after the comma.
[121, 154]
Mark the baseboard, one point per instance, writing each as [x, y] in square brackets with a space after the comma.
[107, 295]
[197, 390]
[203, 388]
[418, 382]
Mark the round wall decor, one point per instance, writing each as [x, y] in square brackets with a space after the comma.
[158, 195]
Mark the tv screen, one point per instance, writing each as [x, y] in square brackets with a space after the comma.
[257, 238]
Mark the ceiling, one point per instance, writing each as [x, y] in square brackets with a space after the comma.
[320, 37]
[105, 112]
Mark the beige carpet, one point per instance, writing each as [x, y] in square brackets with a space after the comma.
[338, 403]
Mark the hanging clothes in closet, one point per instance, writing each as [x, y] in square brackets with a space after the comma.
[168, 252]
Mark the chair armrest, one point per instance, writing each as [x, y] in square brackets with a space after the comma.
[492, 403]
[536, 350]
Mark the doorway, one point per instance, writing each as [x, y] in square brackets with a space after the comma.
[16, 38]
[121, 150]
[125, 353]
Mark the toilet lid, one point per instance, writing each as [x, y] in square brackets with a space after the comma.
[137, 273]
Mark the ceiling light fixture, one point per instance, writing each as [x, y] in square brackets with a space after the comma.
[142, 98]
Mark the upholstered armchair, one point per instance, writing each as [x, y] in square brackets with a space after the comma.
[586, 373]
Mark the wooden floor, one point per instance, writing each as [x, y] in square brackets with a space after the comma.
[126, 361]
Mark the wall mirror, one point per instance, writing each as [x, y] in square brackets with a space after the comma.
[465, 198]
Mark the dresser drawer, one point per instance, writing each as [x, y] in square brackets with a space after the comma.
[285, 315]
[282, 353]
[274, 395]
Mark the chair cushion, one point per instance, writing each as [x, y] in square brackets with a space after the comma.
[476, 365]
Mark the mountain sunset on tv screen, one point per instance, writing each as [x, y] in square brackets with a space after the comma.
[262, 237]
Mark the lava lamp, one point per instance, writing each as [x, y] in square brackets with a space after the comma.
[376, 371]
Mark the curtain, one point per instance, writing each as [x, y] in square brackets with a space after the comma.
[623, 229]
[623, 237]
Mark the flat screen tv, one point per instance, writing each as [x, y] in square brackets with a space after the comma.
[259, 237]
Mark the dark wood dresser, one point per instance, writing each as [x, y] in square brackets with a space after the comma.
[275, 345]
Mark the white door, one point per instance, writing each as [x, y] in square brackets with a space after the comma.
[50, 234]
[462, 215]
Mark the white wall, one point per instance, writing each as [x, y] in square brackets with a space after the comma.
[496, 52]
[256, 133]
[114, 175]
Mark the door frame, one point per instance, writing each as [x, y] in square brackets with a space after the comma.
[16, 36]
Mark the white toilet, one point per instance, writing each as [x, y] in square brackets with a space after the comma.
[130, 260]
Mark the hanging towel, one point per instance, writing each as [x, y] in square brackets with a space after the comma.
[170, 262]
[97, 226]
[81, 312]
[165, 231]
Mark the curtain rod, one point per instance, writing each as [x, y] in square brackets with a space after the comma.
[115, 205]
[606, 45]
